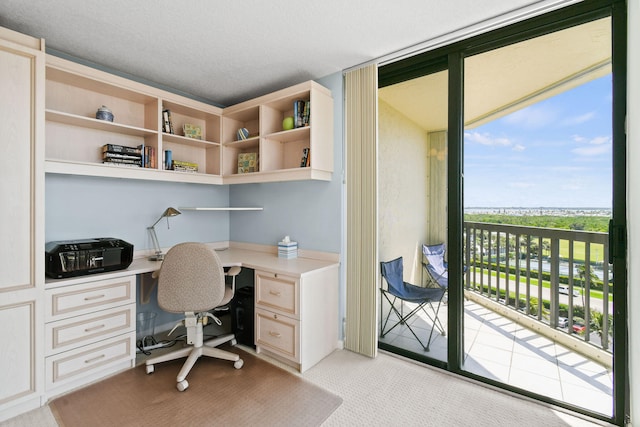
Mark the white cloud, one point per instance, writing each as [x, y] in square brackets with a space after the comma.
[597, 146]
[577, 120]
[578, 138]
[486, 139]
[519, 147]
[532, 117]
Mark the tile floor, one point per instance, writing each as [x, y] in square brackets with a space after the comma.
[500, 349]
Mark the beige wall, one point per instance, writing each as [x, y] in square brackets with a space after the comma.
[402, 190]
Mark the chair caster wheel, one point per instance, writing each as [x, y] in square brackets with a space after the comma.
[150, 369]
[238, 364]
[182, 385]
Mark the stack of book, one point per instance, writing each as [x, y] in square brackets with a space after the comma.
[178, 165]
[287, 249]
[306, 160]
[301, 112]
[121, 155]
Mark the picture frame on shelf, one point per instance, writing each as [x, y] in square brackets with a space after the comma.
[192, 131]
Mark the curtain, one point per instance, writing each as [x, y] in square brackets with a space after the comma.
[361, 113]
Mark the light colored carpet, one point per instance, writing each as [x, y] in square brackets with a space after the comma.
[388, 391]
[258, 394]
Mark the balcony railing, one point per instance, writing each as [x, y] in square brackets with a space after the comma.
[533, 271]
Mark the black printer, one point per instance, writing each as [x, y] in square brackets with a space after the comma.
[87, 256]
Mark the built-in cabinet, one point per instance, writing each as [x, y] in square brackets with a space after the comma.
[64, 334]
[75, 137]
[90, 330]
[295, 316]
[22, 62]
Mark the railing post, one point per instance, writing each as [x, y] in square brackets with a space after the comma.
[554, 300]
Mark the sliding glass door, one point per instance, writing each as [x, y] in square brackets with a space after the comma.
[412, 209]
[537, 206]
[508, 149]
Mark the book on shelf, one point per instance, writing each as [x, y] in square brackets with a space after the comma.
[148, 156]
[115, 148]
[125, 165]
[179, 165]
[298, 113]
[120, 155]
[306, 113]
[306, 161]
[167, 124]
[123, 162]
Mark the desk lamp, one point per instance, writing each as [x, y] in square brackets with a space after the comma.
[159, 256]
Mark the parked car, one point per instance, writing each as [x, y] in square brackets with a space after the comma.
[564, 289]
[563, 322]
[578, 328]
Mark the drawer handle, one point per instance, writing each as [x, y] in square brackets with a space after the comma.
[275, 334]
[95, 359]
[276, 293]
[94, 328]
[93, 297]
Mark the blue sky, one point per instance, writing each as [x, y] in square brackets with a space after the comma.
[556, 153]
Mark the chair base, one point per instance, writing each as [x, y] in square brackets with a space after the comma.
[193, 353]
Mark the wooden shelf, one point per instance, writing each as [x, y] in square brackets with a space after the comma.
[179, 139]
[90, 123]
[99, 169]
[221, 209]
[74, 139]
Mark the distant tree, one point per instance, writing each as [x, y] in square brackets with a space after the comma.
[582, 274]
[598, 322]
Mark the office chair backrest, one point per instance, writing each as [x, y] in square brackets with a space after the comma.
[191, 279]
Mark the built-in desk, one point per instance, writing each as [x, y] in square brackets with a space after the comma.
[90, 320]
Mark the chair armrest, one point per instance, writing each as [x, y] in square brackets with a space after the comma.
[233, 271]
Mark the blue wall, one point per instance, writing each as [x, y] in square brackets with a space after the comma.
[83, 207]
[307, 211]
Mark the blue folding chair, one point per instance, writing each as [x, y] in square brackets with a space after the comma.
[434, 264]
[400, 291]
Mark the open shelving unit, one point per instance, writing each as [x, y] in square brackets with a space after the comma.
[74, 137]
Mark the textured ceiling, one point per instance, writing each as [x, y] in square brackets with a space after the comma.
[227, 51]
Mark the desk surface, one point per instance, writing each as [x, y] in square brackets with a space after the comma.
[255, 259]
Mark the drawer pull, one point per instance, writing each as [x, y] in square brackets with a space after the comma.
[94, 328]
[95, 359]
[275, 334]
[91, 298]
[276, 293]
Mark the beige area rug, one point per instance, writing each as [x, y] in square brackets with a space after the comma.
[257, 394]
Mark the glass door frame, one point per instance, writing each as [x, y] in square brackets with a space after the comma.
[452, 58]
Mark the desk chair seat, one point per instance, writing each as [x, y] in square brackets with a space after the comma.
[192, 281]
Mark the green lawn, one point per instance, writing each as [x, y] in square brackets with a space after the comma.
[597, 251]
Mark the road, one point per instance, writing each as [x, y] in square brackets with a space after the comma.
[594, 303]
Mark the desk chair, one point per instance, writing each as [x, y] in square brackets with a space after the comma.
[192, 281]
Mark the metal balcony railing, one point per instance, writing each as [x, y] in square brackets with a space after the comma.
[558, 277]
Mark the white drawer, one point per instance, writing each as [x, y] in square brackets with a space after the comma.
[88, 297]
[279, 292]
[81, 330]
[85, 361]
[278, 333]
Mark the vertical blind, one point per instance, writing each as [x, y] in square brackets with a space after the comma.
[361, 113]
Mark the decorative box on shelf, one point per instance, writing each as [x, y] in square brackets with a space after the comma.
[247, 162]
[287, 248]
